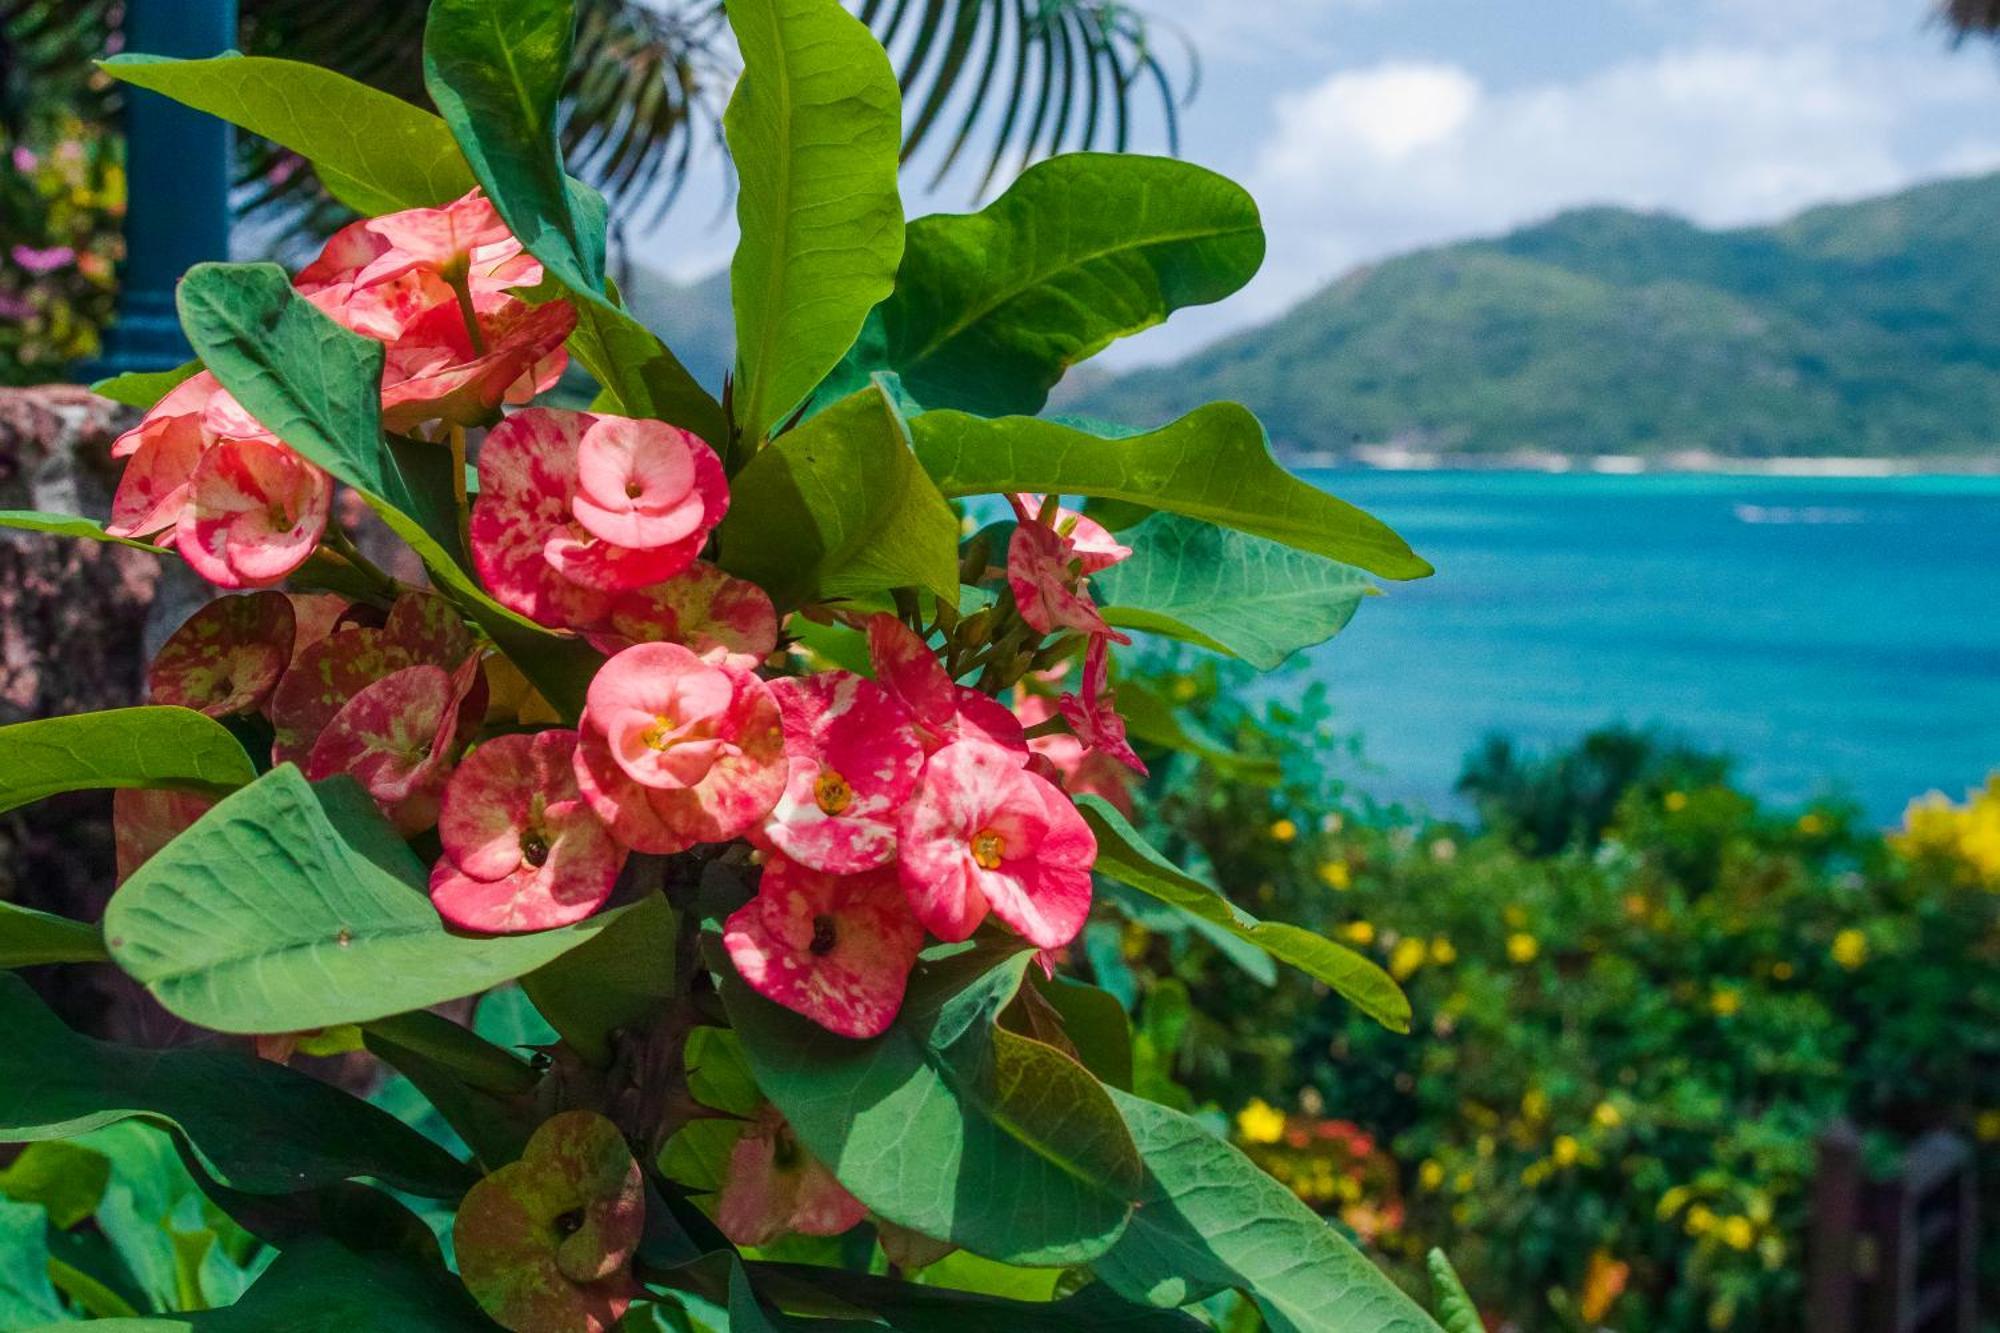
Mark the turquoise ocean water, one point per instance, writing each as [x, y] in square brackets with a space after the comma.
[1837, 634]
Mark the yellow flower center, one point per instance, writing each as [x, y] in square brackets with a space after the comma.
[989, 849]
[659, 735]
[831, 792]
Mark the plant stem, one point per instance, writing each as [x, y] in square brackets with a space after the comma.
[339, 543]
[459, 498]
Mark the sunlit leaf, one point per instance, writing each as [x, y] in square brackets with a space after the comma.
[120, 747]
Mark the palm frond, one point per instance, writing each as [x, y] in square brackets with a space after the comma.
[1973, 17]
[1025, 78]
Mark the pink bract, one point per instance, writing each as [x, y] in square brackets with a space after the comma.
[1094, 717]
[255, 512]
[836, 948]
[158, 478]
[143, 820]
[645, 484]
[775, 1186]
[985, 834]
[1096, 549]
[852, 761]
[392, 736]
[676, 752]
[228, 657]
[944, 711]
[421, 629]
[726, 621]
[1043, 570]
[432, 372]
[1060, 758]
[522, 849]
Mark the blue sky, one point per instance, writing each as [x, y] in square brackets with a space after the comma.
[1372, 127]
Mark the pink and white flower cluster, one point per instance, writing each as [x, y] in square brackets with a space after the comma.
[436, 287]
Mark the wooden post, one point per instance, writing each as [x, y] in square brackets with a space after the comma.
[1833, 1253]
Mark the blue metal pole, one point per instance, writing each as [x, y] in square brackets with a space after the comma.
[177, 169]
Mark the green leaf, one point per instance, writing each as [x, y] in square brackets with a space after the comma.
[1150, 718]
[496, 70]
[316, 386]
[840, 507]
[69, 525]
[1125, 856]
[143, 388]
[64, 1178]
[254, 1125]
[28, 938]
[1455, 1306]
[321, 1286]
[120, 747]
[372, 150]
[616, 979]
[815, 129]
[991, 308]
[1240, 595]
[1211, 1221]
[910, 1308]
[949, 1125]
[26, 1295]
[1096, 1025]
[290, 907]
[1213, 464]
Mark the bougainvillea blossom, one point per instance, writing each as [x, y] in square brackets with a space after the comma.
[943, 710]
[530, 543]
[722, 620]
[546, 1243]
[674, 751]
[1050, 590]
[852, 761]
[522, 849]
[836, 948]
[984, 834]
[228, 657]
[1093, 716]
[775, 1187]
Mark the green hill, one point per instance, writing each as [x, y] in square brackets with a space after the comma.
[1859, 329]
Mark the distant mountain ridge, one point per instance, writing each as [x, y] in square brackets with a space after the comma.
[1869, 330]
[1861, 330]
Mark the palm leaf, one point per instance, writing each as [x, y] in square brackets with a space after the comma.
[1034, 76]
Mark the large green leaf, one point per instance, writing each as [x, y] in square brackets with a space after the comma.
[316, 386]
[1211, 1221]
[28, 937]
[991, 308]
[617, 979]
[373, 151]
[1149, 717]
[320, 1286]
[69, 525]
[1213, 464]
[1455, 1305]
[949, 1125]
[1125, 856]
[26, 1295]
[120, 747]
[840, 507]
[256, 1126]
[496, 70]
[911, 1308]
[815, 128]
[290, 906]
[1229, 591]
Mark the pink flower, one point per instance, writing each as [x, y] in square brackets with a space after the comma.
[676, 752]
[202, 475]
[853, 760]
[1094, 717]
[1050, 589]
[725, 621]
[775, 1186]
[522, 849]
[1096, 549]
[1061, 758]
[398, 738]
[944, 711]
[412, 280]
[255, 512]
[228, 657]
[985, 834]
[836, 948]
[543, 472]
[40, 262]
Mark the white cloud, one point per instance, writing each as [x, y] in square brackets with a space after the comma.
[1396, 155]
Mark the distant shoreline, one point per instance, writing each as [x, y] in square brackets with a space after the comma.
[1399, 458]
